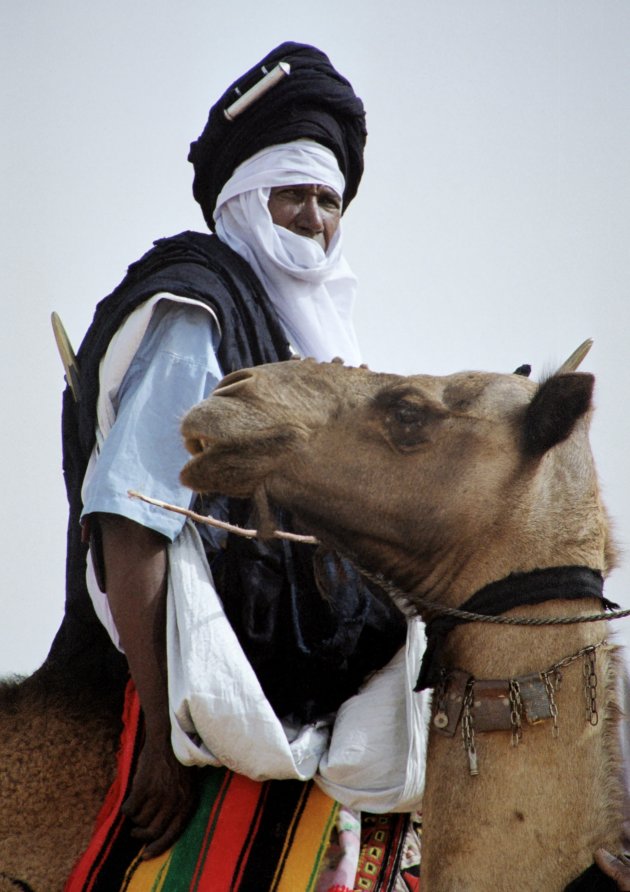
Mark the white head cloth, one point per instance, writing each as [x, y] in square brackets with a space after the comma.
[312, 290]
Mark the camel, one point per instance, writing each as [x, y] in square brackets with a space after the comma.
[58, 739]
[58, 744]
[444, 485]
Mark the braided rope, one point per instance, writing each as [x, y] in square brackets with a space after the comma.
[434, 607]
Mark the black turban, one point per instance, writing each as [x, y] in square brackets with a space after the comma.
[313, 102]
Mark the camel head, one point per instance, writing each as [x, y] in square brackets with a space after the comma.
[442, 483]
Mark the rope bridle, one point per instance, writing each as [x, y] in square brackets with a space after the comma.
[468, 616]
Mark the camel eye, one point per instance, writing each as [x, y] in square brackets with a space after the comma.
[407, 414]
[409, 417]
[409, 425]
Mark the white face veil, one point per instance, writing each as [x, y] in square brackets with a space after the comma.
[312, 290]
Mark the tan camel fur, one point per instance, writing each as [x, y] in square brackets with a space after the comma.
[57, 756]
[445, 484]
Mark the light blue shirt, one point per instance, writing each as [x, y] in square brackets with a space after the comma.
[174, 367]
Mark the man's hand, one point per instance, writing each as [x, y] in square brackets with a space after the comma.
[618, 869]
[162, 799]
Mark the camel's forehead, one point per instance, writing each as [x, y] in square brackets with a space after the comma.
[485, 393]
[482, 392]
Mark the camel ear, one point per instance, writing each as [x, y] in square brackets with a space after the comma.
[556, 407]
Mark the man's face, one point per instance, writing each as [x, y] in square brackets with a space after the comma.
[312, 211]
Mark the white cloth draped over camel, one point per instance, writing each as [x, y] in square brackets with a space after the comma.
[371, 756]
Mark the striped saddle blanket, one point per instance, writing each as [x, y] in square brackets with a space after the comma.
[246, 836]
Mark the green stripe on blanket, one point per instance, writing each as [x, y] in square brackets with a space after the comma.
[244, 835]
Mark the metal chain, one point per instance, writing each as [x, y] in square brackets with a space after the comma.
[468, 728]
[552, 678]
[590, 687]
[552, 681]
[516, 711]
[584, 651]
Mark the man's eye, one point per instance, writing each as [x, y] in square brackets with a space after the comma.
[287, 194]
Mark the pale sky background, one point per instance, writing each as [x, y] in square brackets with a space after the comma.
[491, 228]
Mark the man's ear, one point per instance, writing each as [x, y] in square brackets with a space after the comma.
[556, 407]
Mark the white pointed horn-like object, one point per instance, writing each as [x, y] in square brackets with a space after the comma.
[575, 360]
[68, 356]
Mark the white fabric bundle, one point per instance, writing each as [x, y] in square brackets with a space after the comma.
[373, 757]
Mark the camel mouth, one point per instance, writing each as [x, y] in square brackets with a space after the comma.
[195, 470]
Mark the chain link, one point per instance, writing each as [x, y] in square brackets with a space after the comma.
[590, 686]
[552, 680]
[584, 651]
[468, 729]
[516, 711]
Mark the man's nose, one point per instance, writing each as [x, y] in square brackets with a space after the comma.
[310, 216]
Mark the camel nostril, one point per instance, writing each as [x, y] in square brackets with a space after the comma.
[194, 445]
[232, 381]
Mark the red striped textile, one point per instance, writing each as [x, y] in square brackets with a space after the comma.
[244, 837]
[110, 824]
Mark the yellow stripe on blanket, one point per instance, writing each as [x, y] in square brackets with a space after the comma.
[310, 832]
[147, 876]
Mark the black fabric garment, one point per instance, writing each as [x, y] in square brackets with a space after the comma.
[517, 589]
[309, 653]
[593, 879]
[311, 649]
[313, 102]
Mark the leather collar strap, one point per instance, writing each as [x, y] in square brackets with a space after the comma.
[516, 590]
